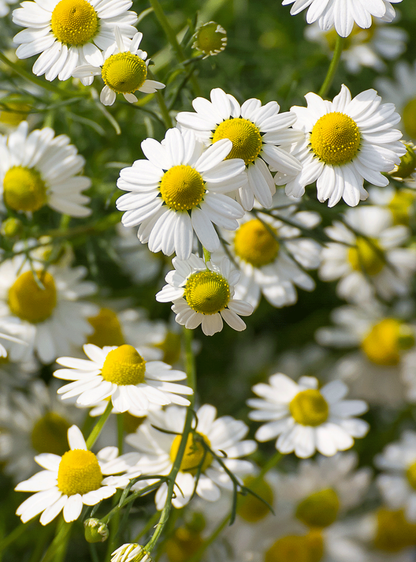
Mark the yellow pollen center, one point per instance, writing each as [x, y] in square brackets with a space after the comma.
[320, 509]
[309, 407]
[29, 301]
[74, 22]
[171, 347]
[366, 256]
[394, 532]
[297, 548]
[211, 38]
[124, 366]
[107, 329]
[401, 206]
[195, 457]
[255, 244]
[411, 475]
[24, 189]
[335, 139]
[385, 340]
[409, 118]
[124, 73]
[207, 292]
[79, 472]
[244, 135]
[250, 508]
[183, 545]
[182, 188]
[49, 434]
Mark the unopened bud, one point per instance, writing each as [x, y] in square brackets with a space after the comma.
[95, 530]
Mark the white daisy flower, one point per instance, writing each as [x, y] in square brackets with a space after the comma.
[368, 256]
[121, 374]
[158, 445]
[130, 552]
[347, 141]
[68, 482]
[179, 190]
[342, 14]
[306, 419]
[39, 169]
[70, 33]
[46, 307]
[124, 70]
[203, 295]
[260, 136]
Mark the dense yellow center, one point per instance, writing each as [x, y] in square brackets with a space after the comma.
[207, 292]
[297, 548]
[124, 366]
[74, 22]
[79, 472]
[211, 38]
[385, 340]
[124, 73]
[407, 165]
[182, 188]
[195, 456]
[49, 434]
[335, 139]
[250, 508]
[366, 256]
[255, 244]
[107, 329]
[24, 189]
[31, 301]
[409, 118]
[171, 347]
[309, 407]
[411, 475]
[183, 545]
[244, 135]
[401, 206]
[320, 509]
[394, 532]
[14, 113]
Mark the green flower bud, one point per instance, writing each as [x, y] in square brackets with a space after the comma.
[210, 39]
[95, 530]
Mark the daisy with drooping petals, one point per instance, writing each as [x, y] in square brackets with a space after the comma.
[203, 295]
[124, 71]
[179, 190]
[260, 136]
[342, 14]
[38, 169]
[68, 482]
[347, 141]
[306, 419]
[122, 375]
[70, 33]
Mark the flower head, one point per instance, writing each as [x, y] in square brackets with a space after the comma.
[210, 38]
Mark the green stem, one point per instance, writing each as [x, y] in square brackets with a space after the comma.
[333, 66]
[14, 535]
[99, 425]
[57, 548]
[120, 433]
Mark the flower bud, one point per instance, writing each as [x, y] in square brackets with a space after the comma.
[95, 530]
[210, 39]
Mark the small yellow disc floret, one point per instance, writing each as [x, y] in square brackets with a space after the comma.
[320, 509]
[182, 188]
[207, 292]
[24, 189]
[124, 73]
[309, 407]
[244, 135]
[394, 532]
[335, 139]
[124, 366]
[383, 343]
[107, 329]
[74, 22]
[255, 244]
[366, 256]
[297, 548]
[29, 301]
[49, 434]
[79, 472]
[195, 455]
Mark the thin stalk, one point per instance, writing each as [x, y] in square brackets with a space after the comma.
[96, 430]
[14, 535]
[57, 549]
[120, 430]
[339, 45]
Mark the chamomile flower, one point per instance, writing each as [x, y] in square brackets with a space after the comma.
[38, 169]
[347, 141]
[47, 306]
[342, 14]
[203, 295]
[130, 552]
[306, 419]
[124, 70]
[368, 256]
[70, 33]
[260, 136]
[179, 190]
[68, 482]
[157, 444]
[122, 375]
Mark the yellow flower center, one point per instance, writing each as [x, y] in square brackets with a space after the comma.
[74, 22]
[107, 329]
[171, 347]
[124, 366]
[255, 244]
[401, 206]
[124, 73]
[182, 188]
[411, 475]
[250, 508]
[309, 407]
[407, 165]
[210, 38]
[32, 301]
[79, 472]
[409, 118]
[183, 545]
[14, 113]
[335, 139]
[24, 189]
[195, 456]
[394, 532]
[385, 340]
[49, 434]
[366, 256]
[297, 548]
[320, 509]
[207, 292]
[244, 135]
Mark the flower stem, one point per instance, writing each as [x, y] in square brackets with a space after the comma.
[96, 430]
[333, 66]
